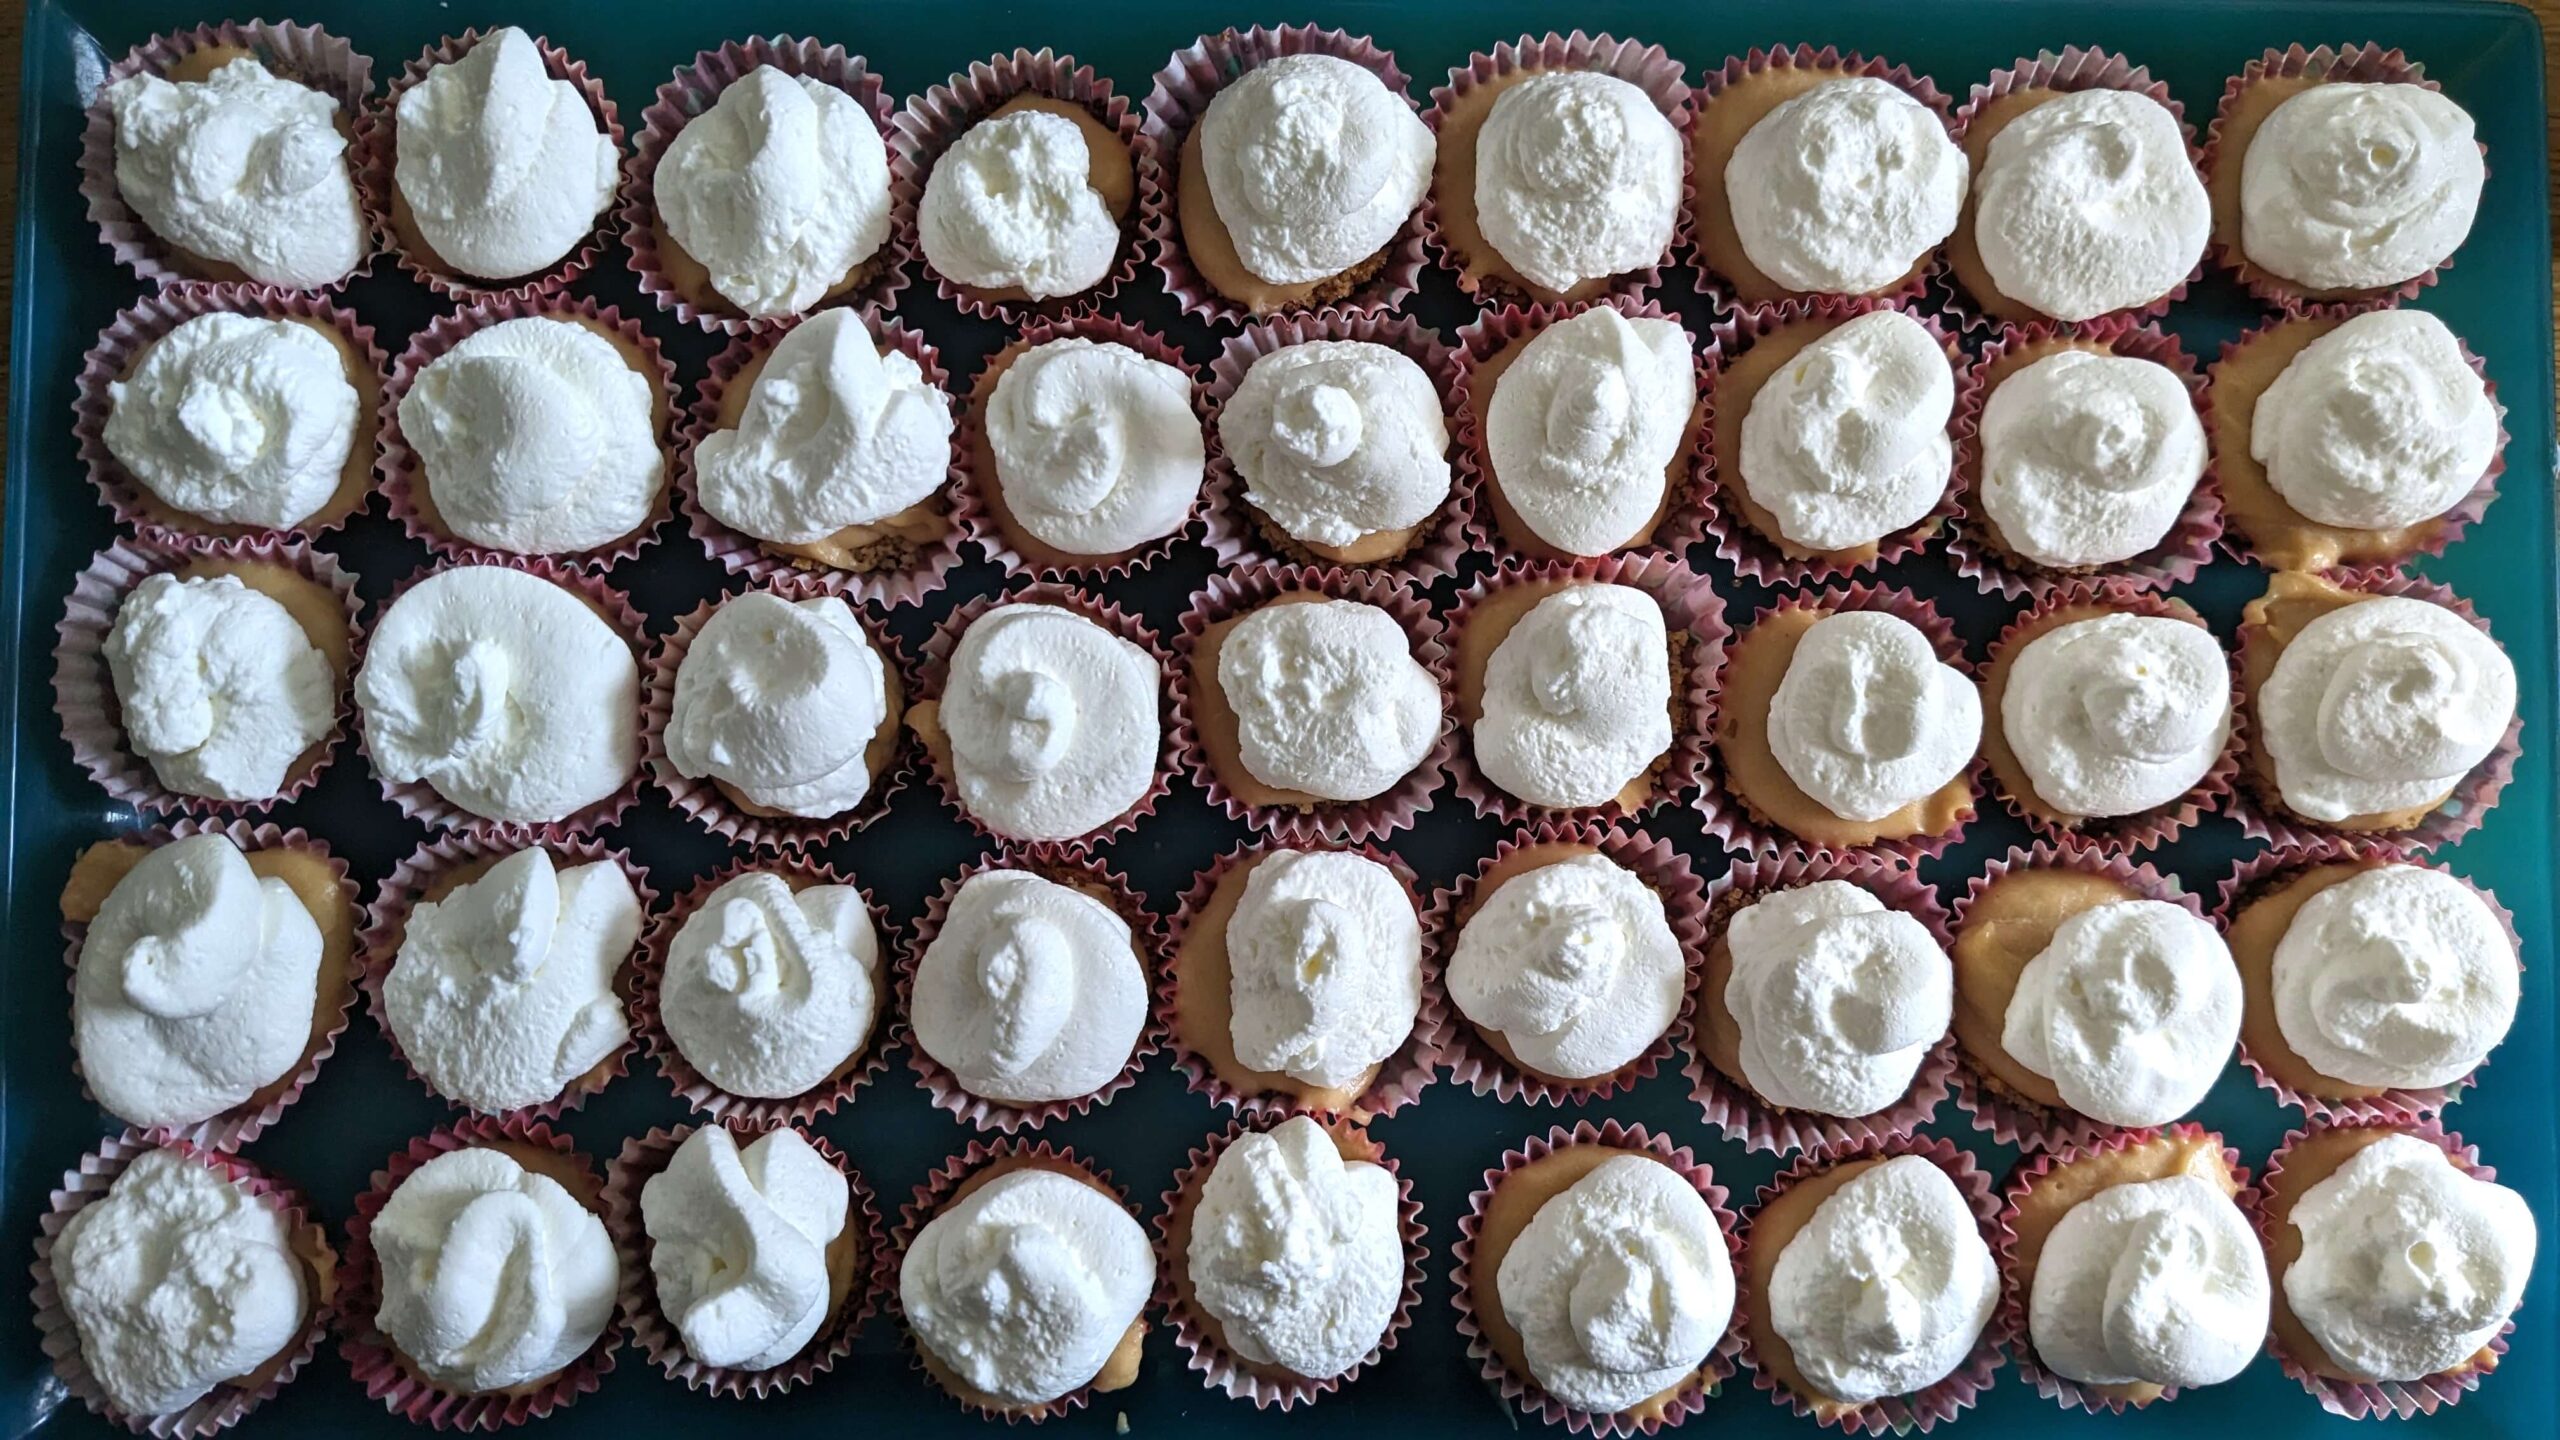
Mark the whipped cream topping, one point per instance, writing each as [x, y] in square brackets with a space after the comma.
[1573, 964]
[2400, 977]
[1887, 1286]
[1338, 440]
[1313, 166]
[503, 991]
[1055, 723]
[2117, 714]
[1328, 698]
[1011, 206]
[1583, 424]
[779, 190]
[2409, 1265]
[2153, 1282]
[1031, 991]
[1324, 957]
[217, 686]
[504, 168]
[504, 692]
[1577, 698]
[194, 986]
[2087, 459]
[492, 1276]
[1025, 1287]
[1577, 178]
[781, 700]
[2131, 1011]
[769, 991]
[177, 1280]
[1847, 443]
[1095, 446]
[2378, 424]
[738, 1241]
[1867, 719]
[2354, 187]
[1620, 1286]
[244, 168]
[1839, 999]
[2088, 203]
[2383, 705]
[1296, 1252]
[236, 419]
[1845, 188]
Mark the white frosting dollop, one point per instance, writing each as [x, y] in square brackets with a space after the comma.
[1887, 1286]
[236, 419]
[1096, 447]
[2378, 424]
[781, 700]
[1577, 697]
[1844, 188]
[217, 686]
[738, 1239]
[1338, 440]
[1868, 719]
[1011, 205]
[2088, 203]
[1584, 423]
[2130, 1010]
[1324, 957]
[1296, 1252]
[2088, 459]
[1847, 443]
[1838, 998]
[1031, 991]
[1574, 964]
[244, 168]
[779, 190]
[504, 168]
[2354, 186]
[2117, 714]
[2152, 1282]
[1577, 178]
[1054, 722]
[1313, 166]
[2400, 977]
[1328, 698]
[2384, 704]
[769, 991]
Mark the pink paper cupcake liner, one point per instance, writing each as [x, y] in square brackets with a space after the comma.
[225, 1405]
[1241, 535]
[386, 923]
[376, 155]
[1229, 594]
[1729, 818]
[933, 121]
[2186, 549]
[656, 1335]
[693, 90]
[1401, 1077]
[1731, 1106]
[1532, 1400]
[370, 1355]
[742, 554]
[304, 53]
[84, 693]
[1180, 95]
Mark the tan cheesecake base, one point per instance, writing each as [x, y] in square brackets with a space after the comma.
[1481, 268]
[2008, 924]
[2256, 928]
[1778, 1222]
[2238, 125]
[1212, 249]
[2267, 625]
[1492, 621]
[1722, 122]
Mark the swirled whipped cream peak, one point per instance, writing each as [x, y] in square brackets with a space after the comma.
[218, 686]
[1324, 957]
[1031, 992]
[771, 991]
[2378, 424]
[1055, 723]
[243, 168]
[1338, 440]
[779, 191]
[1328, 698]
[493, 1276]
[504, 169]
[2088, 203]
[504, 692]
[2398, 976]
[1011, 206]
[2383, 705]
[536, 436]
[236, 419]
[1838, 997]
[2410, 1265]
[2351, 186]
[1868, 719]
[1577, 698]
[1620, 1286]
[2088, 459]
[1847, 443]
[194, 986]
[738, 1238]
[1296, 1252]
[176, 1281]
[2117, 714]
[2152, 1282]
[1887, 1286]
[2130, 1010]
[1313, 165]
[1845, 188]
[1584, 424]
[1577, 178]
[1574, 964]
[781, 700]
[502, 993]
[1096, 447]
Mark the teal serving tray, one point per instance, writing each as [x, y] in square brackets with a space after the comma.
[363, 1107]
